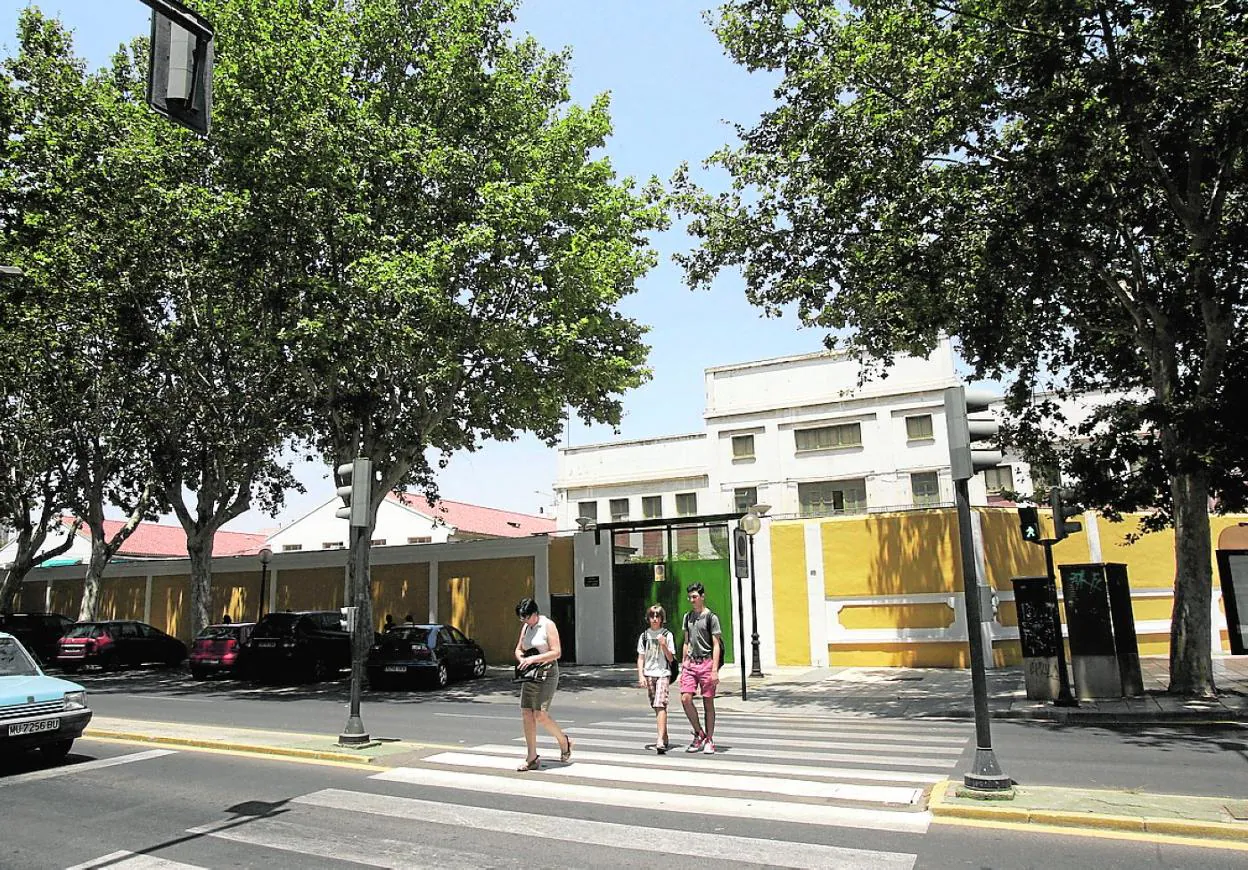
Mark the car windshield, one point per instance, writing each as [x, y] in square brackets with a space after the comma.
[276, 625]
[84, 629]
[218, 632]
[14, 662]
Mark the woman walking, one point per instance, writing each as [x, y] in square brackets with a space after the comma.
[537, 657]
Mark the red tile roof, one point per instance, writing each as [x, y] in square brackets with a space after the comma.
[476, 520]
[153, 540]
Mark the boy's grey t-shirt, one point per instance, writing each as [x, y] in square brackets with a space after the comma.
[655, 664]
[698, 632]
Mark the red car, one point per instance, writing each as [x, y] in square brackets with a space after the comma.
[116, 643]
[215, 650]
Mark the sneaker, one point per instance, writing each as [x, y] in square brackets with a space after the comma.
[696, 745]
[661, 748]
[708, 747]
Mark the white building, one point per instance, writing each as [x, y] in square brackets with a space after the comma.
[797, 433]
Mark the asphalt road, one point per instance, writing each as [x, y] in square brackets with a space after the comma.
[125, 806]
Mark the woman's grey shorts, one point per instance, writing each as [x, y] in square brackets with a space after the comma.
[537, 696]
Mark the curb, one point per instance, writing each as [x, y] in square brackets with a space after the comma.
[997, 812]
[258, 748]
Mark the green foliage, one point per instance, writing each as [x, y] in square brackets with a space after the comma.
[1061, 186]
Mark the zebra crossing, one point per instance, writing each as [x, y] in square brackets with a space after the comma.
[839, 781]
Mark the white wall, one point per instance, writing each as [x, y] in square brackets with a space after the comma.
[395, 524]
[595, 623]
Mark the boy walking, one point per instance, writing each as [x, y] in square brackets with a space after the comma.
[655, 650]
[700, 667]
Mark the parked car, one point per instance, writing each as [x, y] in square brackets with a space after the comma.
[39, 632]
[116, 643]
[37, 711]
[433, 653]
[218, 648]
[308, 644]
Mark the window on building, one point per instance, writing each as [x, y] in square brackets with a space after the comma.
[919, 428]
[619, 510]
[828, 497]
[999, 479]
[587, 509]
[686, 504]
[332, 545]
[742, 446]
[377, 542]
[420, 539]
[825, 437]
[290, 548]
[925, 488]
[651, 507]
[745, 498]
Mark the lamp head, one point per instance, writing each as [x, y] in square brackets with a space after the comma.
[760, 509]
[265, 555]
[586, 523]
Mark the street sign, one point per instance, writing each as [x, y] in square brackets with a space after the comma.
[741, 553]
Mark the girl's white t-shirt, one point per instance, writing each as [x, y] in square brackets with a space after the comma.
[535, 636]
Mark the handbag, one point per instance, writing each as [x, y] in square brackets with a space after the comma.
[532, 673]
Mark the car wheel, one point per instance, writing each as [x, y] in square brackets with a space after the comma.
[70, 669]
[110, 662]
[320, 671]
[199, 674]
[442, 677]
[378, 683]
[478, 666]
[56, 751]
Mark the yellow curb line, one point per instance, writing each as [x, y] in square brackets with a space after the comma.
[994, 811]
[253, 748]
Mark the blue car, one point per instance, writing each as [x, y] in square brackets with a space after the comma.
[37, 711]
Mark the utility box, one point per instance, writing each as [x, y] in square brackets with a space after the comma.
[1039, 635]
[1105, 657]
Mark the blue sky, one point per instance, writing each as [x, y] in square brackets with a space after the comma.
[675, 97]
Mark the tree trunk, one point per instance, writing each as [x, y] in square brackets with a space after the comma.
[360, 586]
[199, 548]
[1191, 662]
[91, 583]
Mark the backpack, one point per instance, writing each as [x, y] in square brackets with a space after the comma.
[689, 617]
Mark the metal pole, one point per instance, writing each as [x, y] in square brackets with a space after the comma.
[264, 582]
[354, 734]
[756, 668]
[985, 774]
[1064, 696]
[741, 634]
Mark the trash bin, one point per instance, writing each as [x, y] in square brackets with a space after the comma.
[1104, 654]
[1040, 635]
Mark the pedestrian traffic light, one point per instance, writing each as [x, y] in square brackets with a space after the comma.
[1029, 524]
[965, 460]
[1062, 527]
[180, 60]
[355, 484]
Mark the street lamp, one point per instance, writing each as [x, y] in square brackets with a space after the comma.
[265, 555]
[585, 523]
[751, 523]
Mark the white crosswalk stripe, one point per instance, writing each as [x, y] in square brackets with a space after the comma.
[811, 773]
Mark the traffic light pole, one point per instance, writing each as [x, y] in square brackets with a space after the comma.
[1064, 696]
[353, 734]
[985, 773]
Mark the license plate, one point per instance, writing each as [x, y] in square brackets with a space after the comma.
[396, 669]
[212, 661]
[268, 644]
[18, 728]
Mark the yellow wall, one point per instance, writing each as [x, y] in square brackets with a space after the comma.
[66, 597]
[890, 554]
[789, 600]
[122, 598]
[400, 590]
[32, 596]
[236, 593]
[897, 616]
[310, 589]
[171, 605]
[561, 568]
[479, 598]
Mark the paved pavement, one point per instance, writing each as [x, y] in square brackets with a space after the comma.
[866, 694]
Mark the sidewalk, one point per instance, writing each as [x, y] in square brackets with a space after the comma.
[942, 693]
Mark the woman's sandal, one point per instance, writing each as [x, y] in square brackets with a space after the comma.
[529, 765]
[566, 755]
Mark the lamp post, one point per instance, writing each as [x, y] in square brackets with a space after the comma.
[265, 555]
[751, 523]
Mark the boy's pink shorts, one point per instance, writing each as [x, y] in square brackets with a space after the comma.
[695, 674]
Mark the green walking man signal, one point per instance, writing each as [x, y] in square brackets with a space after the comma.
[1029, 524]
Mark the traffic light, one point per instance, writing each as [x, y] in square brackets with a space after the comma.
[179, 71]
[355, 484]
[966, 461]
[1062, 527]
[1029, 524]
